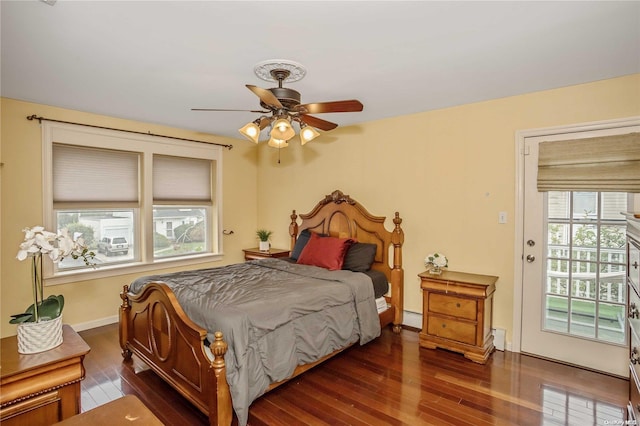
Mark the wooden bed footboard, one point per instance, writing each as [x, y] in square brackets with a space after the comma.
[154, 327]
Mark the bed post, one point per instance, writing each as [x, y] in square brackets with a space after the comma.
[220, 403]
[397, 273]
[293, 229]
[125, 309]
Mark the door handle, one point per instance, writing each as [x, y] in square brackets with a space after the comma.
[530, 258]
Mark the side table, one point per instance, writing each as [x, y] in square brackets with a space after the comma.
[457, 313]
[42, 388]
[255, 253]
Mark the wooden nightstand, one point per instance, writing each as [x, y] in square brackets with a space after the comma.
[255, 253]
[42, 388]
[457, 313]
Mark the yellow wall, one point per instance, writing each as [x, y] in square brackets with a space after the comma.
[448, 182]
[21, 202]
[448, 172]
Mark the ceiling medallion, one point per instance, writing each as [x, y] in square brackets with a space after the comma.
[296, 70]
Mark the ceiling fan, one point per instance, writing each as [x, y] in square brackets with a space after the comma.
[282, 107]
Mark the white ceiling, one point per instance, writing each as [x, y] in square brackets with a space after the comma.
[154, 60]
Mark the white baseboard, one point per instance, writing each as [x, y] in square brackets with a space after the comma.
[95, 323]
[412, 319]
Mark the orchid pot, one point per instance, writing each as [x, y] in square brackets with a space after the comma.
[40, 325]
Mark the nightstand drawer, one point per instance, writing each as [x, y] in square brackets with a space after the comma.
[447, 328]
[458, 307]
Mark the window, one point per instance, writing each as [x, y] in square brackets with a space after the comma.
[586, 258]
[126, 193]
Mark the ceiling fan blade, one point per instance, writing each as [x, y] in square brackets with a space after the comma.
[350, 105]
[265, 96]
[243, 110]
[318, 122]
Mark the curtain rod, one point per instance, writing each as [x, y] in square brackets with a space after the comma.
[35, 117]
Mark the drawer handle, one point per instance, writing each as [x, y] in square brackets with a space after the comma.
[457, 305]
[444, 325]
[634, 355]
[633, 311]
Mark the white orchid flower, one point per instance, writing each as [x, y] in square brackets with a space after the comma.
[66, 246]
[43, 243]
[55, 255]
[56, 246]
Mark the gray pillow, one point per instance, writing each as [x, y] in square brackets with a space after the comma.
[360, 257]
[301, 241]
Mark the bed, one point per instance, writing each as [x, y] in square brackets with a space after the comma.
[205, 362]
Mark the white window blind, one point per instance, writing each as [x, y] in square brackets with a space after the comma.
[83, 174]
[608, 163]
[181, 179]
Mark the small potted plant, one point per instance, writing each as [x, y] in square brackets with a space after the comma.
[40, 326]
[263, 236]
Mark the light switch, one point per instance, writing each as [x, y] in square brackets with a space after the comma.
[502, 217]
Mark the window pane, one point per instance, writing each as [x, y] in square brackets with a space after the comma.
[611, 323]
[584, 288]
[613, 237]
[179, 231]
[108, 233]
[558, 205]
[556, 315]
[583, 318]
[613, 204]
[585, 236]
[585, 205]
[558, 240]
[612, 284]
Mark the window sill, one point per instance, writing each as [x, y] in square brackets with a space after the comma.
[107, 271]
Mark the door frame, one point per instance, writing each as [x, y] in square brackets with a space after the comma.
[518, 252]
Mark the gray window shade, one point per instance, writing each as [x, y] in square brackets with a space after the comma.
[609, 163]
[94, 175]
[181, 179]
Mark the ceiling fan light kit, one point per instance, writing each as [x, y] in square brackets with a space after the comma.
[277, 143]
[307, 134]
[285, 107]
[251, 131]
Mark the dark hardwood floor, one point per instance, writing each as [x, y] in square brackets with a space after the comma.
[390, 381]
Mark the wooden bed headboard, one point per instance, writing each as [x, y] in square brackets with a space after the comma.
[339, 215]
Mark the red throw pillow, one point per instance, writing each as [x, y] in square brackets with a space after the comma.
[325, 252]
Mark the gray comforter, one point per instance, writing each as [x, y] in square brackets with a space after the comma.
[274, 315]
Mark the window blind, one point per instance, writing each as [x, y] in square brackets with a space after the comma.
[608, 163]
[181, 179]
[83, 174]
